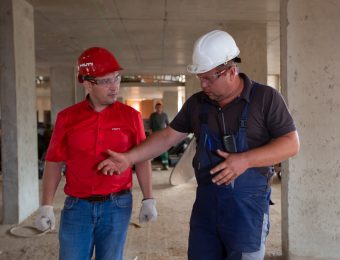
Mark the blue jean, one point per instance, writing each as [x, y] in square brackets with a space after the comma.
[101, 225]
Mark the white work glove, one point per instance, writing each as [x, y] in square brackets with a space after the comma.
[45, 219]
[148, 211]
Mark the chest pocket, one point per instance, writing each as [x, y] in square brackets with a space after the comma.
[119, 139]
[207, 144]
[80, 141]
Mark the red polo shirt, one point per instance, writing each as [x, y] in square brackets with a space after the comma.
[81, 137]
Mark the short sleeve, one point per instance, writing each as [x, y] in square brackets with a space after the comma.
[139, 126]
[278, 120]
[56, 151]
[181, 122]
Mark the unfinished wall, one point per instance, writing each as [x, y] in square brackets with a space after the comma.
[311, 82]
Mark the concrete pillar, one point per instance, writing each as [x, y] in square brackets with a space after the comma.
[18, 103]
[170, 103]
[252, 42]
[63, 90]
[274, 81]
[311, 83]
[192, 85]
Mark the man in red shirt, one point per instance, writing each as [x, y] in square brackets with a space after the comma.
[98, 205]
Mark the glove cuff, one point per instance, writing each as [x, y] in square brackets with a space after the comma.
[47, 206]
[45, 209]
[149, 201]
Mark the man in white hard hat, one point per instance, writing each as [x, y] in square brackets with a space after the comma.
[242, 128]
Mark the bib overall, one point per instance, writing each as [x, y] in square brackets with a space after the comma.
[226, 220]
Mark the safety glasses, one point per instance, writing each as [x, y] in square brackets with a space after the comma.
[212, 78]
[104, 82]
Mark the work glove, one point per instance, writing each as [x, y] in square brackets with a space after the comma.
[148, 211]
[45, 219]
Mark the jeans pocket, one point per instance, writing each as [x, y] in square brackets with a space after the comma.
[69, 202]
[123, 201]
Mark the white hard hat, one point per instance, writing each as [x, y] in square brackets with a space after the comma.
[211, 50]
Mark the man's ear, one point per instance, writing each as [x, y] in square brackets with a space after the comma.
[233, 72]
[88, 86]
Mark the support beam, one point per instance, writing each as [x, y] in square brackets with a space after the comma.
[311, 84]
[18, 111]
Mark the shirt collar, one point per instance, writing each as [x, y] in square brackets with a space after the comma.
[247, 86]
[89, 105]
[87, 101]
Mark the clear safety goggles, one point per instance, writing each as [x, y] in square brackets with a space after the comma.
[212, 78]
[105, 81]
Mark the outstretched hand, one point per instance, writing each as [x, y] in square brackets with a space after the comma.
[228, 170]
[115, 164]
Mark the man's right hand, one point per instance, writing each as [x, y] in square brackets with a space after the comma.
[115, 164]
[45, 219]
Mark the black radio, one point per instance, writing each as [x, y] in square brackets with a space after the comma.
[229, 143]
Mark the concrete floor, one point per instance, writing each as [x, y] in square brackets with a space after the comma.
[163, 239]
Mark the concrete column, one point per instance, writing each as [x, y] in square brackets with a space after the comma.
[18, 103]
[170, 103]
[311, 83]
[274, 81]
[192, 85]
[252, 42]
[63, 90]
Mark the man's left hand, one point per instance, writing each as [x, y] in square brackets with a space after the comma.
[228, 170]
[148, 211]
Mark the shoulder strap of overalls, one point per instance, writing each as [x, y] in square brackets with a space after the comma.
[203, 124]
[245, 111]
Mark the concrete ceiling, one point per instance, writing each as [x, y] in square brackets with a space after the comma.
[146, 36]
